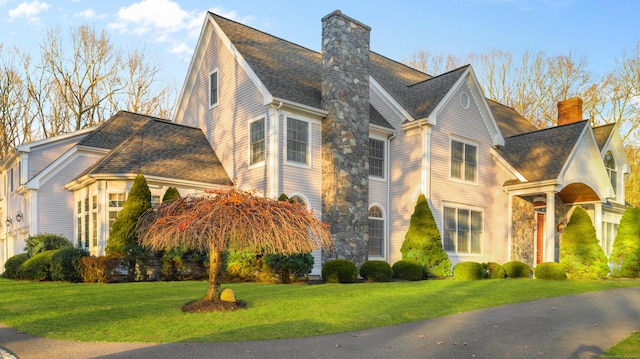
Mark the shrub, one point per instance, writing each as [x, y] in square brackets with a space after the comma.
[246, 265]
[45, 242]
[493, 270]
[580, 250]
[407, 270]
[12, 265]
[339, 271]
[170, 194]
[99, 269]
[517, 269]
[550, 270]
[65, 264]
[625, 256]
[122, 233]
[297, 265]
[422, 243]
[37, 267]
[468, 271]
[377, 271]
[181, 264]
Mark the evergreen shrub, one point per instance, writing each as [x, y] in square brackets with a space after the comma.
[550, 270]
[422, 243]
[170, 194]
[245, 265]
[285, 266]
[468, 271]
[377, 271]
[45, 242]
[407, 270]
[494, 270]
[12, 266]
[625, 256]
[580, 250]
[37, 267]
[99, 269]
[339, 271]
[122, 232]
[65, 264]
[517, 269]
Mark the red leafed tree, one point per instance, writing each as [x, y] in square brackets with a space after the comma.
[212, 220]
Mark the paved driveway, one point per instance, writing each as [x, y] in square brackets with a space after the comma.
[576, 326]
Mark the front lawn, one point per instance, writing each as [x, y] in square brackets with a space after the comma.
[151, 312]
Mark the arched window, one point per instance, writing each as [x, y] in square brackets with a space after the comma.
[376, 232]
[610, 164]
[300, 200]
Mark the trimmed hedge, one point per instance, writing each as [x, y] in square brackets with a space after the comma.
[551, 270]
[339, 271]
[12, 266]
[45, 242]
[494, 270]
[285, 266]
[99, 269]
[517, 269]
[407, 270]
[377, 271]
[65, 264]
[468, 271]
[37, 267]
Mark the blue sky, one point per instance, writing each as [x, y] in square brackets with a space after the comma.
[168, 29]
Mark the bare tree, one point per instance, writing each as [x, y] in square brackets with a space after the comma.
[15, 124]
[213, 220]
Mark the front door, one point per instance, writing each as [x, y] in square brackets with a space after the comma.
[539, 237]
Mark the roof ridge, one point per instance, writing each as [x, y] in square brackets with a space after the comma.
[549, 128]
[441, 75]
[263, 32]
[401, 63]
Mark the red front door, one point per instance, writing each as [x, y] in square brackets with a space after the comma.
[539, 237]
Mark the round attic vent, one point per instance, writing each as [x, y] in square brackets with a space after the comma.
[464, 100]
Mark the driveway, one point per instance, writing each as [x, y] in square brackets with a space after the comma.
[576, 326]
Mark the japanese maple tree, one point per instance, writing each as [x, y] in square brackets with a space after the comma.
[210, 221]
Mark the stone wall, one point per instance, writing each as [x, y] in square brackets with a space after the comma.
[345, 135]
[522, 232]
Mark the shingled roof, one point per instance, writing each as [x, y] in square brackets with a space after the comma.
[154, 147]
[541, 155]
[602, 134]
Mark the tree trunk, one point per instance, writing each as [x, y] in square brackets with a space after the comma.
[215, 270]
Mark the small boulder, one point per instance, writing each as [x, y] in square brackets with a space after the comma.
[228, 295]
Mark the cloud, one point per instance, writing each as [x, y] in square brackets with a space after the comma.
[29, 11]
[89, 14]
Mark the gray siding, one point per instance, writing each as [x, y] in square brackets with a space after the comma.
[41, 156]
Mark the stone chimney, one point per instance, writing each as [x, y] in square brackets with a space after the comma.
[345, 135]
[569, 111]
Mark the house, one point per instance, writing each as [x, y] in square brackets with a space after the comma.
[354, 135]
[75, 184]
[358, 137]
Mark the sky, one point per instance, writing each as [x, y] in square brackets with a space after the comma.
[168, 30]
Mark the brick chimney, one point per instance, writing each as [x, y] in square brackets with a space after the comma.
[345, 135]
[569, 111]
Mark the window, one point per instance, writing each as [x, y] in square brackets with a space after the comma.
[609, 232]
[11, 180]
[299, 199]
[94, 221]
[376, 158]
[462, 230]
[297, 141]
[155, 199]
[464, 161]
[79, 223]
[257, 142]
[610, 164]
[86, 222]
[376, 232]
[213, 88]
[116, 202]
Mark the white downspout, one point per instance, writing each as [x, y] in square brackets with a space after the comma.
[388, 205]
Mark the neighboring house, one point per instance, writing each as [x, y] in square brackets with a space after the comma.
[74, 185]
[358, 137]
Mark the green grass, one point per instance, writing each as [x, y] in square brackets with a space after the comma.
[151, 312]
[628, 348]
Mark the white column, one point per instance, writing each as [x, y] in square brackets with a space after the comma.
[426, 162]
[550, 228]
[597, 220]
[509, 226]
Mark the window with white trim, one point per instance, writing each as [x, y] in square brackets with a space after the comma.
[94, 221]
[256, 142]
[610, 164]
[463, 230]
[79, 223]
[116, 202]
[155, 199]
[464, 161]
[297, 141]
[376, 158]
[376, 232]
[609, 232]
[213, 88]
[11, 180]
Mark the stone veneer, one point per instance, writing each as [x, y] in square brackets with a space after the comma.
[345, 135]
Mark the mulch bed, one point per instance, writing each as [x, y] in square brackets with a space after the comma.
[204, 306]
